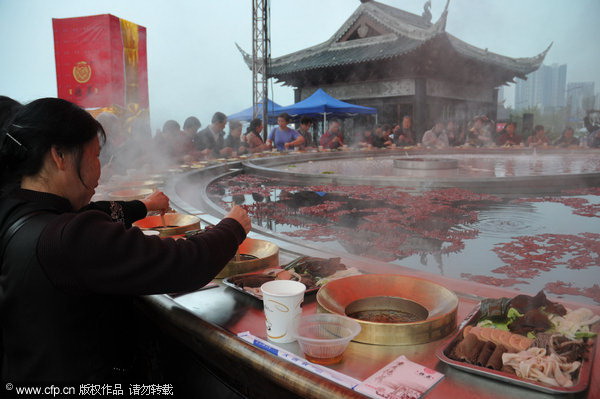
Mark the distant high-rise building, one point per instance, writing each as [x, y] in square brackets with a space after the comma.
[502, 112]
[580, 99]
[544, 88]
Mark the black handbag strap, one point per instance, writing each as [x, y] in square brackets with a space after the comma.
[4, 241]
[14, 228]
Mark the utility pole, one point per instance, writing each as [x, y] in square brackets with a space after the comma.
[261, 58]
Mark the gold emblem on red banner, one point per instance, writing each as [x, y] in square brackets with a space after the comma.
[82, 72]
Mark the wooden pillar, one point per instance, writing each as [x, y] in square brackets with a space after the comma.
[297, 95]
[420, 108]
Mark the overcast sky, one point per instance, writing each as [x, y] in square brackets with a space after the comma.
[195, 69]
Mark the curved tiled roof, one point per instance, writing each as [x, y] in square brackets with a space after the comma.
[403, 33]
[384, 48]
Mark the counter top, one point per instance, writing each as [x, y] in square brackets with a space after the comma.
[209, 320]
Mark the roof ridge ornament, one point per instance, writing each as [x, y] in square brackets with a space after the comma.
[543, 54]
[247, 57]
[440, 25]
[427, 11]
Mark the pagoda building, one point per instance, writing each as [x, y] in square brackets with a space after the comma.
[402, 64]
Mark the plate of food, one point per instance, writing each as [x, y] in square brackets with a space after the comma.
[311, 271]
[527, 341]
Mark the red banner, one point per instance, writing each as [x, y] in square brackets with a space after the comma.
[101, 61]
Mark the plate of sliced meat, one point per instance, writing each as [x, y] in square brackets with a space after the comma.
[527, 341]
[311, 271]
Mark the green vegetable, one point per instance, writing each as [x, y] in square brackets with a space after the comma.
[501, 324]
[530, 335]
[489, 323]
[585, 334]
[513, 314]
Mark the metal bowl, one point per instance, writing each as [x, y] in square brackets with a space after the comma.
[267, 255]
[177, 224]
[130, 194]
[403, 294]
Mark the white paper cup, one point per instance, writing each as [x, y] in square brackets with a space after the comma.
[281, 300]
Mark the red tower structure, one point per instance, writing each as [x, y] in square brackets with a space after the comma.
[101, 63]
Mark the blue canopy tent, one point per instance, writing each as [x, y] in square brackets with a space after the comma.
[273, 109]
[322, 104]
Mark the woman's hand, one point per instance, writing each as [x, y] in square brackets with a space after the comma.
[239, 214]
[157, 201]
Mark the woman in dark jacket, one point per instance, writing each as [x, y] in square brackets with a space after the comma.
[70, 269]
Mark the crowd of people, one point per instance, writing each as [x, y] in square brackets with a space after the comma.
[173, 145]
[212, 142]
[480, 132]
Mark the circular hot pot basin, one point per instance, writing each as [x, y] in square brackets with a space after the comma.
[254, 255]
[130, 194]
[151, 184]
[385, 297]
[176, 224]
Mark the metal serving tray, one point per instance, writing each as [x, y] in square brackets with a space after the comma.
[579, 385]
[228, 283]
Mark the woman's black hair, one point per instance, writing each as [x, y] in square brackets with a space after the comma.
[192, 123]
[8, 108]
[36, 128]
[171, 127]
[254, 124]
[305, 120]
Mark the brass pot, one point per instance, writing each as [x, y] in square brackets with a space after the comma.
[130, 194]
[139, 184]
[266, 252]
[177, 224]
[439, 303]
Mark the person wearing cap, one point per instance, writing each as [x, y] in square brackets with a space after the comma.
[435, 137]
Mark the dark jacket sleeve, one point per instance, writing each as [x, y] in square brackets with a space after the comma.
[197, 141]
[126, 212]
[204, 140]
[88, 253]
